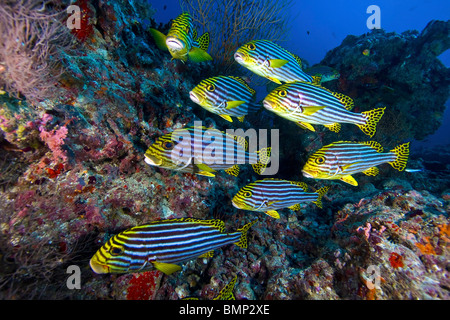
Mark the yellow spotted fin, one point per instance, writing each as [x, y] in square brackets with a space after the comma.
[243, 239]
[402, 153]
[345, 100]
[227, 292]
[203, 41]
[263, 160]
[295, 207]
[234, 170]
[208, 254]
[335, 127]
[321, 192]
[371, 171]
[372, 118]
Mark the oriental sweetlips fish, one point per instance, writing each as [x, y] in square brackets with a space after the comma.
[307, 103]
[339, 160]
[225, 96]
[181, 40]
[269, 195]
[273, 62]
[163, 244]
[203, 151]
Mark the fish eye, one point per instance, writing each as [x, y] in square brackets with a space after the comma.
[251, 46]
[247, 194]
[320, 160]
[168, 145]
[282, 93]
[115, 251]
[210, 87]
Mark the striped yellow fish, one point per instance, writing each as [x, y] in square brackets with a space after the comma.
[273, 62]
[307, 104]
[181, 40]
[203, 151]
[225, 96]
[270, 195]
[163, 244]
[339, 160]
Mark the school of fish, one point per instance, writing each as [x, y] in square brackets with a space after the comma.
[300, 97]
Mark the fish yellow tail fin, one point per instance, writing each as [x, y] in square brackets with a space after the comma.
[402, 153]
[243, 240]
[372, 118]
[321, 193]
[227, 292]
[263, 160]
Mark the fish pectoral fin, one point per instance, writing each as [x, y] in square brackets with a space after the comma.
[226, 117]
[305, 125]
[295, 207]
[274, 80]
[199, 55]
[277, 63]
[273, 214]
[166, 268]
[371, 171]
[349, 179]
[307, 111]
[205, 170]
[160, 39]
[335, 127]
[208, 254]
[233, 104]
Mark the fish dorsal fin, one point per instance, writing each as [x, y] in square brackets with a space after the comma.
[297, 58]
[203, 41]
[214, 223]
[345, 100]
[302, 185]
[244, 83]
[375, 145]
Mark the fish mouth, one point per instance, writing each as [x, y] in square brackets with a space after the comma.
[152, 160]
[307, 174]
[239, 57]
[194, 97]
[235, 204]
[267, 105]
[98, 267]
[174, 44]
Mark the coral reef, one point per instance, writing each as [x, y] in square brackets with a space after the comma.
[399, 71]
[73, 174]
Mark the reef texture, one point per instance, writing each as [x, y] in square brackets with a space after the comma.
[72, 174]
[399, 71]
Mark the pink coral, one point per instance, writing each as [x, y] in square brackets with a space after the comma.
[54, 140]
